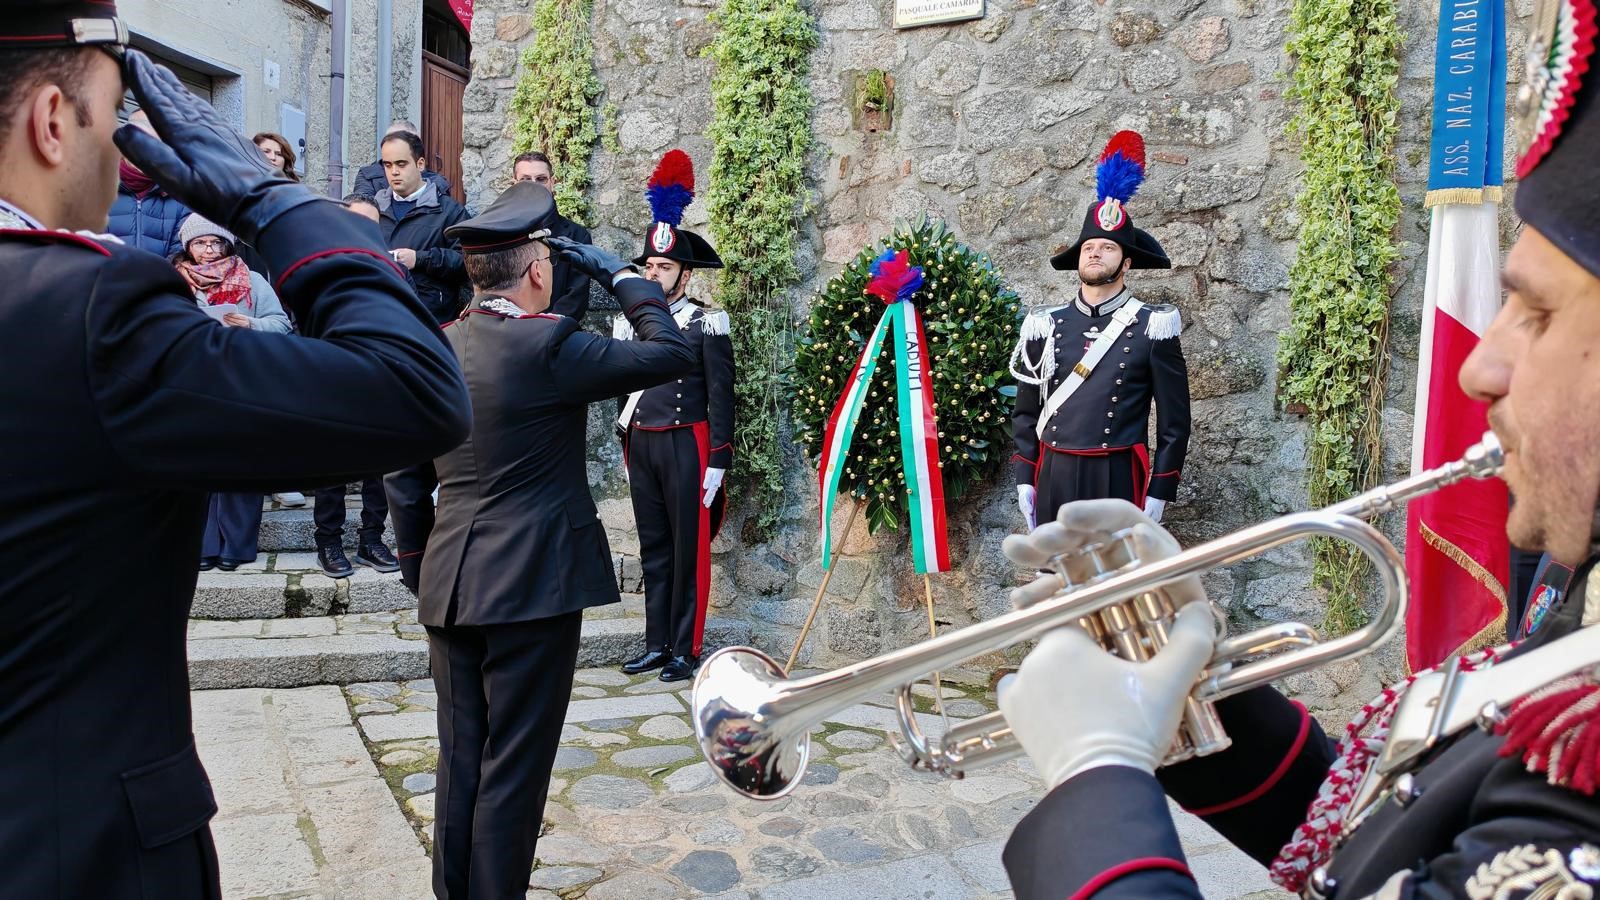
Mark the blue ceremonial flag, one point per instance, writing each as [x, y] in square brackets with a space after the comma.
[1469, 102]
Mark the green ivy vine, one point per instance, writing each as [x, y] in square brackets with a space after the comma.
[1331, 359]
[553, 108]
[971, 319]
[761, 133]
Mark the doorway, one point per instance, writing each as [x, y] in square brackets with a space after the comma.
[446, 69]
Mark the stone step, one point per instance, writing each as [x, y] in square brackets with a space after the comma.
[288, 584]
[380, 646]
[294, 529]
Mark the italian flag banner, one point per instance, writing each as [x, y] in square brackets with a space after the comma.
[894, 280]
[1456, 549]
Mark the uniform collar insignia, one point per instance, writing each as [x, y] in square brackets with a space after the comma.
[503, 307]
[1106, 307]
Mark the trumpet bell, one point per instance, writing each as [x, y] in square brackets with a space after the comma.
[733, 722]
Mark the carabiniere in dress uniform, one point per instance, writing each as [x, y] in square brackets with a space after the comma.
[677, 439]
[1088, 371]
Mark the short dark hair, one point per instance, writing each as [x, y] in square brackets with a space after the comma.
[502, 269]
[358, 197]
[533, 156]
[411, 140]
[21, 71]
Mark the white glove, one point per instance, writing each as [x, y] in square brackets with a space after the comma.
[1092, 522]
[1027, 495]
[711, 484]
[1154, 508]
[1076, 707]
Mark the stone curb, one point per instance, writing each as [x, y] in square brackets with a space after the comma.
[232, 661]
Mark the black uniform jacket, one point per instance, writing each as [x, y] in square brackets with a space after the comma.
[517, 536]
[122, 404]
[1478, 816]
[703, 394]
[1111, 409]
[569, 293]
[440, 276]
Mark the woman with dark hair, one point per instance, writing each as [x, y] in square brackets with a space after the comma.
[275, 147]
[239, 298]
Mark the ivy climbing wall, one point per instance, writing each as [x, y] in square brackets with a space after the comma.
[991, 126]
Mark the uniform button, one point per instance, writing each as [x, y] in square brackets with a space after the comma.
[1321, 885]
[680, 381]
[1108, 431]
[1113, 399]
[1129, 334]
[1119, 381]
[680, 396]
[1111, 415]
[1122, 365]
[676, 422]
[1127, 350]
[1406, 790]
[677, 409]
[1104, 446]
[1052, 428]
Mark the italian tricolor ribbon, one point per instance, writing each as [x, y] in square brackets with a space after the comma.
[894, 280]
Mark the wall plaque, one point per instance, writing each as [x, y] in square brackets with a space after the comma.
[913, 13]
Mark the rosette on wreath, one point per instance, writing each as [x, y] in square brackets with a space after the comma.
[968, 318]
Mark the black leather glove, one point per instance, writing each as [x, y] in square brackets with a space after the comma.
[213, 169]
[592, 261]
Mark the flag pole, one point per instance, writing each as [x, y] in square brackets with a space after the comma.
[816, 602]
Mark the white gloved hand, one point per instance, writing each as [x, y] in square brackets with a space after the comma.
[711, 484]
[1154, 508]
[1027, 496]
[1076, 707]
[1092, 522]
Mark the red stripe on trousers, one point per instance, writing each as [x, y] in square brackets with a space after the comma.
[702, 555]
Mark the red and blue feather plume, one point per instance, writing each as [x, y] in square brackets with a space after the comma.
[1121, 168]
[671, 188]
[894, 278]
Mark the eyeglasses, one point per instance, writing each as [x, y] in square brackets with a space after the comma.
[208, 244]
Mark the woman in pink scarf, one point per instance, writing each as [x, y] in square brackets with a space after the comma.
[239, 298]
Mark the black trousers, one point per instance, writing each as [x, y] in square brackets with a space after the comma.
[330, 512]
[1065, 477]
[665, 471]
[233, 528]
[410, 494]
[503, 693]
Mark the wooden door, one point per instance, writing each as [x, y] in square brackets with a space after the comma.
[443, 85]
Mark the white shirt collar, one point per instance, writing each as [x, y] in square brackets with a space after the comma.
[413, 197]
[8, 207]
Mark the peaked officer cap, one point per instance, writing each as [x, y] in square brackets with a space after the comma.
[1117, 177]
[1558, 130]
[46, 24]
[521, 215]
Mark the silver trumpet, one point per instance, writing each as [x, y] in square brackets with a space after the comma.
[754, 725]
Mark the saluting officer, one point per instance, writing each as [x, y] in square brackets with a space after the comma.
[1089, 370]
[125, 405]
[517, 551]
[678, 439]
[1498, 801]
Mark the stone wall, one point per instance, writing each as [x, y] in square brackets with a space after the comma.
[994, 127]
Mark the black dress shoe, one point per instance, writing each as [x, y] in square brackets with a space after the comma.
[680, 669]
[644, 662]
[333, 562]
[227, 565]
[377, 556]
[207, 565]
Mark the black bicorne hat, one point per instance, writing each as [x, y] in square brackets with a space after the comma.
[1117, 177]
[521, 215]
[1558, 130]
[670, 191]
[47, 24]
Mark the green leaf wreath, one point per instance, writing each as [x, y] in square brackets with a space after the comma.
[971, 319]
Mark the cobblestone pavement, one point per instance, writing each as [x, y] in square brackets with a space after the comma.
[633, 812]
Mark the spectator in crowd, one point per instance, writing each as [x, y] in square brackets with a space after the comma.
[276, 148]
[371, 551]
[370, 179]
[363, 205]
[239, 298]
[144, 215]
[570, 292]
[414, 213]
